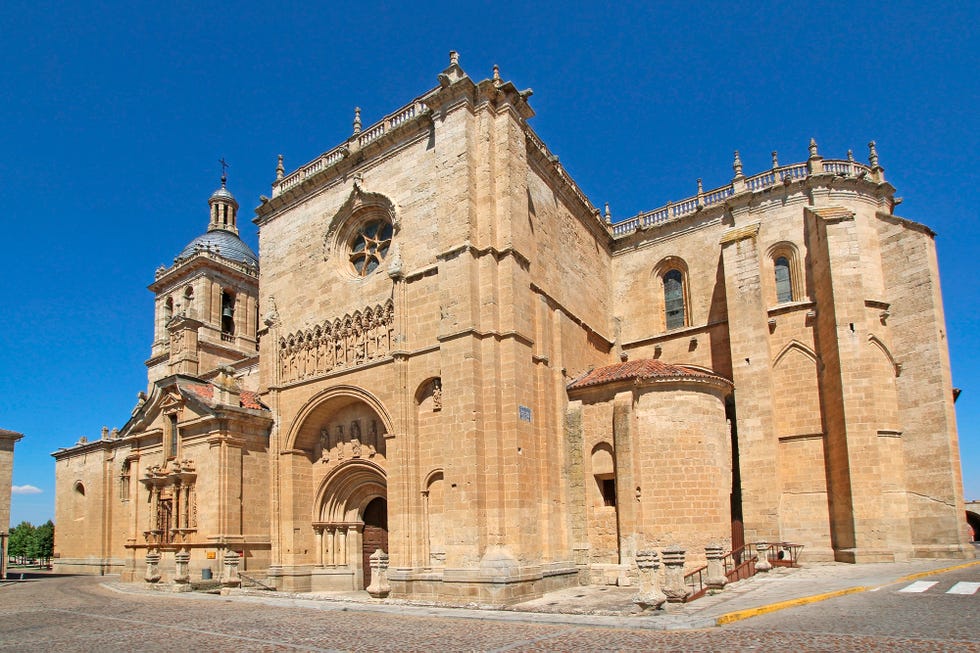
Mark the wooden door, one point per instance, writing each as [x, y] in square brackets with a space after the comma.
[375, 534]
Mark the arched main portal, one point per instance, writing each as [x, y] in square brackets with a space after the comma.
[334, 469]
[351, 519]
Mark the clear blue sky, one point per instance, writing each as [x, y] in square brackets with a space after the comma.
[114, 115]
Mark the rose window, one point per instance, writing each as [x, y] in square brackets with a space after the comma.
[370, 246]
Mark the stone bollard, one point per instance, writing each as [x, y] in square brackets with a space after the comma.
[649, 596]
[230, 577]
[152, 567]
[762, 557]
[379, 587]
[674, 586]
[182, 576]
[716, 578]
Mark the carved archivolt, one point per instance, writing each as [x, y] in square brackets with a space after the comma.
[344, 342]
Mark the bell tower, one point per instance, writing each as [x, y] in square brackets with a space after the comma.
[207, 300]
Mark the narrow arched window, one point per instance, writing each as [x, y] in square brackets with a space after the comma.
[784, 282]
[674, 299]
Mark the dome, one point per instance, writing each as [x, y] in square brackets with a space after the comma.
[226, 243]
[223, 194]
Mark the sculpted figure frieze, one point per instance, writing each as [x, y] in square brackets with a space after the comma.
[335, 344]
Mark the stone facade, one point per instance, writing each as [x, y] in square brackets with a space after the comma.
[7, 441]
[463, 363]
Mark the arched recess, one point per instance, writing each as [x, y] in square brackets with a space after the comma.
[973, 520]
[433, 508]
[78, 501]
[351, 518]
[604, 471]
[802, 476]
[797, 345]
[896, 367]
[601, 505]
[304, 432]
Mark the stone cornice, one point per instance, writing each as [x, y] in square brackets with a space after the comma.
[191, 267]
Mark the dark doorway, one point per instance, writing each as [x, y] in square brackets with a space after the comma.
[375, 534]
[738, 529]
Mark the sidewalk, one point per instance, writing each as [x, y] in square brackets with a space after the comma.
[613, 606]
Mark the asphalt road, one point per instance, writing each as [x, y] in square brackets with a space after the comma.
[78, 614]
[923, 610]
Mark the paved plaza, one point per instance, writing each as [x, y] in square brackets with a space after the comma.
[922, 606]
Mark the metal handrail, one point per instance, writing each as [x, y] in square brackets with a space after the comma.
[255, 582]
[695, 582]
[784, 554]
[739, 564]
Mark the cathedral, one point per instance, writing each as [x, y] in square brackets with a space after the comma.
[447, 355]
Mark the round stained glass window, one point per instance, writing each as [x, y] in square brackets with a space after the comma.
[370, 246]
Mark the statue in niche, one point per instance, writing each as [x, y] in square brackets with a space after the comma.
[324, 444]
[355, 438]
[340, 441]
[436, 396]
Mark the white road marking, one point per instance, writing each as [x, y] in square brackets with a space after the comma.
[919, 586]
[964, 588]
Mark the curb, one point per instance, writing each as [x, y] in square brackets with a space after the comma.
[740, 615]
[732, 617]
[923, 574]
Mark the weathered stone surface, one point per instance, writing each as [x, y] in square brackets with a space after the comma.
[448, 355]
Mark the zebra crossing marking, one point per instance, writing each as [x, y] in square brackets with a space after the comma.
[919, 586]
[964, 587]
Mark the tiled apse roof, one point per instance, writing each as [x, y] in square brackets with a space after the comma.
[645, 368]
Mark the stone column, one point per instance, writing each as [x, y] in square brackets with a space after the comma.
[674, 586]
[152, 567]
[330, 546]
[230, 577]
[649, 596]
[342, 546]
[762, 561]
[379, 587]
[319, 545]
[186, 517]
[182, 577]
[716, 578]
[151, 514]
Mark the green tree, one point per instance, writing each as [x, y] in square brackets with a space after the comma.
[21, 541]
[42, 543]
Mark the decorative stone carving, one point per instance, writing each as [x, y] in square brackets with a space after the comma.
[436, 396]
[762, 551]
[649, 596]
[324, 453]
[182, 577]
[674, 586]
[344, 342]
[379, 587]
[152, 567]
[716, 578]
[230, 576]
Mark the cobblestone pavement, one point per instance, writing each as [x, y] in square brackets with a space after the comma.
[80, 614]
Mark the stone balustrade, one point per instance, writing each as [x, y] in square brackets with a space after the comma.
[358, 140]
[768, 179]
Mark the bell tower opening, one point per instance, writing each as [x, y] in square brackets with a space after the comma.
[227, 313]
